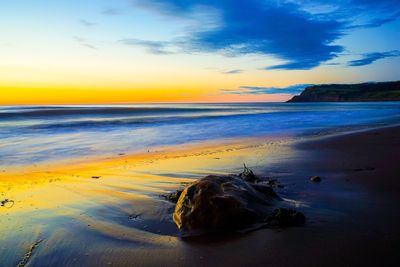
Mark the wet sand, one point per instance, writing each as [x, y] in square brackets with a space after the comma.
[118, 218]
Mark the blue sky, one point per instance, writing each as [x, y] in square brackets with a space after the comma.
[214, 47]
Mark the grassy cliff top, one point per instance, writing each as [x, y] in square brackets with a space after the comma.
[379, 91]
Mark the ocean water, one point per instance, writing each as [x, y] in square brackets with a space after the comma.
[38, 134]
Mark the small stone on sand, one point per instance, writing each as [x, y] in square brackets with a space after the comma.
[315, 179]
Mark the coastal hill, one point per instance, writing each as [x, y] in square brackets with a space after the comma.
[363, 92]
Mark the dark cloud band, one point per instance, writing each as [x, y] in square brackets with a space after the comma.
[372, 57]
[255, 90]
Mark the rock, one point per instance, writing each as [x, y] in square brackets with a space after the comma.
[286, 217]
[223, 203]
[315, 179]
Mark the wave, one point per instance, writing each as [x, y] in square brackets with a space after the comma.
[153, 120]
[40, 112]
[44, 133]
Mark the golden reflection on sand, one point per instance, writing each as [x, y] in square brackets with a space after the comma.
[115, 199]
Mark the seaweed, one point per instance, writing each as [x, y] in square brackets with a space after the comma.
[173, 196]
[29, 254]
[248, 175]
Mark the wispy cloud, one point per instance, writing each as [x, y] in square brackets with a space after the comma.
[88, 46]
[87, 23]
[372, 57]
[153, 47]
[7, 44]
[255, 90]
[376, 22]
[110, 11]
[79, 39]
[304, 65]
[84, 42]
[232, 71]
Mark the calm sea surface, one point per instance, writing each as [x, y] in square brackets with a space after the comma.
[36, 134]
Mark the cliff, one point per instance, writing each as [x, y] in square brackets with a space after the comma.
[380, 91]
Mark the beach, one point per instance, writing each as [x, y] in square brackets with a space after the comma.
[112, 212]
[193, 133]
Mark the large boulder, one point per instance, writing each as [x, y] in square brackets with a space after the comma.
[223, 203]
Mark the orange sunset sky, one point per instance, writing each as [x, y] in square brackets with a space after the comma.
[89, 52]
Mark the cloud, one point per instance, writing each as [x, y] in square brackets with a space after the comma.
[111, 11]
[349, 7]
[255, 90]
[86, 23]
[372, 57]
[305, 65]
[88, 46]
[232, 71]
[382, 5]
[79, 39]
[376, 22]
[302, 33]
[256, 27]
[83, 42]
[153, 47]
[332, 64]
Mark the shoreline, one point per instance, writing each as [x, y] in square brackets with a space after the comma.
[350, 213]
[184, 150]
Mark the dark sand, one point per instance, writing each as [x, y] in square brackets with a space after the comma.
[353, 214]
[365, 167]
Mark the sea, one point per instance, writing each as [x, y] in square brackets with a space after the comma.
[41, 134]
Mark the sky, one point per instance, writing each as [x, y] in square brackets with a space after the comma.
[132, 51]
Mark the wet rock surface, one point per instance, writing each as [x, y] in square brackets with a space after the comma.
[223, 203]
